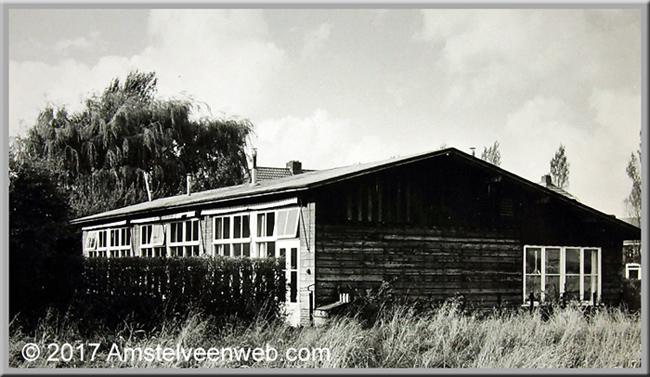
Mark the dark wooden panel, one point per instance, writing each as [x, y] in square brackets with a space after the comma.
[420, 262]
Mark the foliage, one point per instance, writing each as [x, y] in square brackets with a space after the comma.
[104, 150]
[492, 154]
[443, 337]
[42, 264]
[560, 168]
[633, 201]
[148, 290]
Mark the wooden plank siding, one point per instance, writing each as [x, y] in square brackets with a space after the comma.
[427, 263]
[443, 227]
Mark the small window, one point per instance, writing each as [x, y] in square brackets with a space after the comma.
[633, 271]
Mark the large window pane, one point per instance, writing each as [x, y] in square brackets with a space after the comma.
[533, 260]
[226, 227]
[261, 225]
[246, 229]
[270, 249]
[572, 261]
[247, 249]
[533, 285]
[293, 284]
[294, 258]
[587, 287]
[552, 261]
[552, 288]
[237, 226]
[591, 262]
[282, 223]
[195, 230]
[270, 223]
[218, 228]
[292, 222]
[572, 288]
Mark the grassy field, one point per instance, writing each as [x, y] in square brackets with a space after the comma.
[441, 338]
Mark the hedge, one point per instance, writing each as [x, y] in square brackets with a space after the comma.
[148, 290]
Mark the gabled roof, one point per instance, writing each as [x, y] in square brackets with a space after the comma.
[313, 179]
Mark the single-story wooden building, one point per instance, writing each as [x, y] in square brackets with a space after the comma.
[435, 224]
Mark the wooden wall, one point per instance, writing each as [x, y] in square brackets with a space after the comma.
[443, 226]
[431, 263]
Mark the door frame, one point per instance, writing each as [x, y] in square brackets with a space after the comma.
[292, 309]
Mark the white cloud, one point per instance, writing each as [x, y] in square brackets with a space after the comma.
[495, 53]
[223, 58]
[76, 43]
[319, 141]
[315, 39]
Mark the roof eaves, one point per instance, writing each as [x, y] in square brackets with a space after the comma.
[149, 211]
[554, 193]
[379, 166]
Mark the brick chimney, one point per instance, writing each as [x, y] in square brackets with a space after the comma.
[295, 167]
[547, 180]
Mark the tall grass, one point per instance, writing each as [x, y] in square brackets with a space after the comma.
[444, 337]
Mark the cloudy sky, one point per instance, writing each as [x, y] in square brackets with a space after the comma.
[337, 87]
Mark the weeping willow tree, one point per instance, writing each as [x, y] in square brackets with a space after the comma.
[102, 153]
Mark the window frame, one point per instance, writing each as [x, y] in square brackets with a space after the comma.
[595, 277]
[186, 245]
[150, 249]
[220, 245]
[259, 244]
[105, 245]
[629, 267]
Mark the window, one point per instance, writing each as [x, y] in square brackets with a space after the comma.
[287, 223]
[152, 240]
[232, 236]
[91, 244]
[119, 242]
[112, 243]
[633, 271]
[265, 240]
[184, 238]
[254, 234]
[552, 272]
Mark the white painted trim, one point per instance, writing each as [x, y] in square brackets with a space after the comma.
[178, 215]
[220, 211]
[145, 220]
[265, 205]
[109, 225]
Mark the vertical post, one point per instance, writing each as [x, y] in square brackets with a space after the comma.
[146, 182]
[254, 169]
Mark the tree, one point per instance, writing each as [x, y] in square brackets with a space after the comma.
[105, 149]
[560, 168]
[43, 256]
[633, 201]
[492, 154]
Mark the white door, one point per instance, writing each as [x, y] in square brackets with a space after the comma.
[290, 250]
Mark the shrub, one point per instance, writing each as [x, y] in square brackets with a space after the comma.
[149, 290]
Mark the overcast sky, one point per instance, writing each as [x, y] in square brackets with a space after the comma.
[337, 87]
